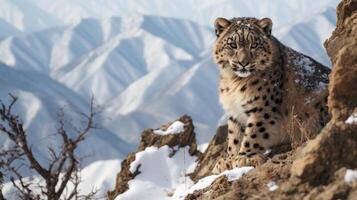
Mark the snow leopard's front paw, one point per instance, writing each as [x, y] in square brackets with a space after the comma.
[250, 160]
[222, 165]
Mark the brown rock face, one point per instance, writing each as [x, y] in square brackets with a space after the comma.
[336, 146]
[187, 138]
[342, 49]
[149, 138]
[215, 150]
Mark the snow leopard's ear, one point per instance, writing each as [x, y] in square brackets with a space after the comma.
[266, 25]
[220, 24]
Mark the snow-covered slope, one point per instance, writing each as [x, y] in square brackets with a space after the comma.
[308, 35]
[135, 67]
[7, 29]
[283, 12]
[40, 99]
[25, 15]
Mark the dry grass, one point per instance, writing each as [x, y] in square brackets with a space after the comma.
[301, 126]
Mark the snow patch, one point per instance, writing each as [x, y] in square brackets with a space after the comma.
[161, 176]
[352, 119]
[351, 175]
[305, 63]
[164, 177]
[236, 173]
[272, 186]
[175, 128]
[202, 147]
[232, 175]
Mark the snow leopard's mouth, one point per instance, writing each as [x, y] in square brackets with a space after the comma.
[243, 71]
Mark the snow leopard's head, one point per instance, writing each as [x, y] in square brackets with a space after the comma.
[245, 44]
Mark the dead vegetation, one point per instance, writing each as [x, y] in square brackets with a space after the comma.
[60, 177]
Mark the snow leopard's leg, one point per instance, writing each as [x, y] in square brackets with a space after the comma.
[235, 134]
[262, 133]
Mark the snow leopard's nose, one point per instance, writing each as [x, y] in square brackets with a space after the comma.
[243, 63]
[242, 58]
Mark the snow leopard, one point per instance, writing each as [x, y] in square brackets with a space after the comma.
[270, 93]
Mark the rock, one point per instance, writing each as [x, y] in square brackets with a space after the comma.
[124, 176]
[252, 185]
[314, 171]
[219, 187]
[187, 138]
[216, 149]
[338, 189]
[336, 145]
[150, 138]
[334, 148]
[342, 49]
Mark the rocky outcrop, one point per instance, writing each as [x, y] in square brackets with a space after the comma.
[342, 49]
[253, 185]
[150, 138]
[336, 145]
[186, 138]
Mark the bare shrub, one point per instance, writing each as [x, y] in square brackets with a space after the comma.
[63, 168]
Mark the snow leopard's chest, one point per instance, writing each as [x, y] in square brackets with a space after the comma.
[234, 102]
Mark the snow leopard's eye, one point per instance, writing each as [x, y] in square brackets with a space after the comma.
[233, 45]
[253, 45]
[228, 50]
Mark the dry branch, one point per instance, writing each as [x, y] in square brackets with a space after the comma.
[64, 165]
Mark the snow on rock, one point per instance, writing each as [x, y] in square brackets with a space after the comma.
[232, 175]
[351, 175]
[352, 119]
[272, 186]
[202, 147]
[306, 64]
[308, 72]
[175, 128]
[236, 173]
[161, 176]
[99, 176]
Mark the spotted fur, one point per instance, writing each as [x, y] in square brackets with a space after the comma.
[265, 89]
